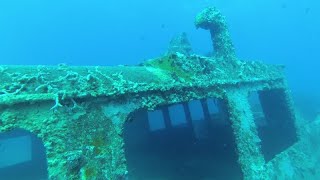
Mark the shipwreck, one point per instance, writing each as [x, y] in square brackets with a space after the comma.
[80, 113]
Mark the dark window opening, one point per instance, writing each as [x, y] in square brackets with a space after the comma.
[186, 141]
[275, 121]
[22, 156]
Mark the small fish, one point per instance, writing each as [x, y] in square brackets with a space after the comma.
[2, 148]
[142, 38]
[307, 10]
[283, 5]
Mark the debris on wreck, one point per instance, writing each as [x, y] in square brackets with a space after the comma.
[180, 44]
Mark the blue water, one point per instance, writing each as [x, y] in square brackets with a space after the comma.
[114, 32]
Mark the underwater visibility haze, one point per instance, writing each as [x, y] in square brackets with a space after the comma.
[159, 90]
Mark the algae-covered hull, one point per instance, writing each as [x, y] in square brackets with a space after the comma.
[79, 112]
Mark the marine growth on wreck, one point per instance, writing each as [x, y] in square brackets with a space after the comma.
[80, 112]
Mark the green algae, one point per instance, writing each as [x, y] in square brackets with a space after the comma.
[99, 142]
[169, 63]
